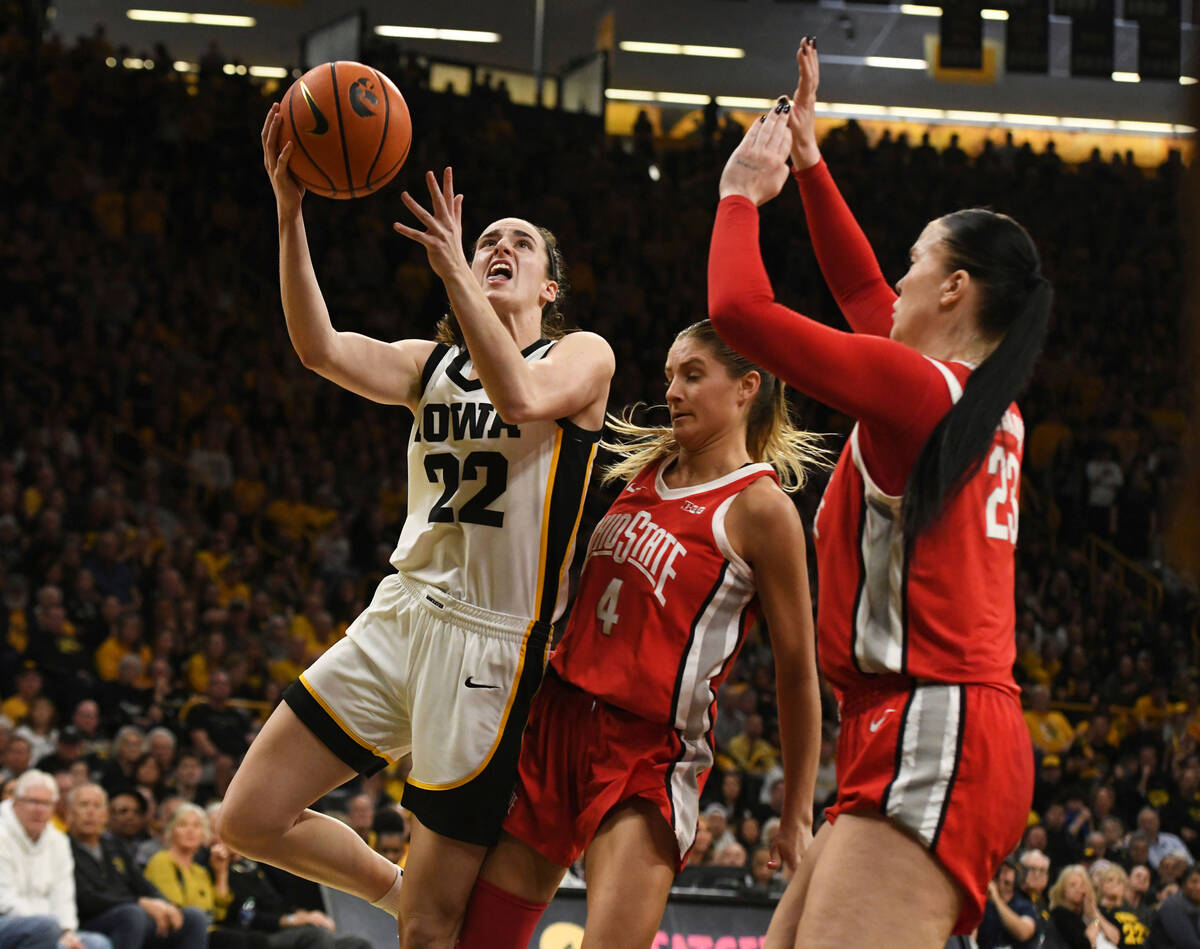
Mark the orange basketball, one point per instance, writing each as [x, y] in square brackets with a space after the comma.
[351, 128]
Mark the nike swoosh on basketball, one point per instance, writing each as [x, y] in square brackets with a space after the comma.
[875, 725]
[472, 684]
[322, 125]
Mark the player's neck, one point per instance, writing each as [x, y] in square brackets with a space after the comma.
[525, 327]
[706, 463]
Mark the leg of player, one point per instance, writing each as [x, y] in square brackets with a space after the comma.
[438, 876]
[264, 814]
[631, 865]
[913, 901]
[514, 888]
[781, 934]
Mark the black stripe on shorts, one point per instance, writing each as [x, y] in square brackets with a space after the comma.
[321, 724]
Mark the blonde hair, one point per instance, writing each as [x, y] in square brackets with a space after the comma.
[1060, 885]
[184, 810]
[770, 434]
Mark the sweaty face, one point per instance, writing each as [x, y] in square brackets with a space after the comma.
[916, 309]
[703, 398]
[510, 263]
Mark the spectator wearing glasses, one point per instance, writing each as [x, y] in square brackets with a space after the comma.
[37, 874]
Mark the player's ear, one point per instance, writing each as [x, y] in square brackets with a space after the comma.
[749, 385]
[549, 292]
[955, 287]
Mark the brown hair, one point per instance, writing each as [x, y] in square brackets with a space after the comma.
[553, 321]
[770, 434]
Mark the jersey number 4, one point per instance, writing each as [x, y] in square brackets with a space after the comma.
[443, 467]
[606, 607]
[1003, 514]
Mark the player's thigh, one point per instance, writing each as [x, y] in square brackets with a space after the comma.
[439, 875]
[874, 885]
[631, 865]
[285, 770]
[517, 868]
[781, 934]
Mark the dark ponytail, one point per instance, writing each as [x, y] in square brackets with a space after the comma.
[1015, 302]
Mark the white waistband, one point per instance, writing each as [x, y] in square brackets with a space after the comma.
[468, 615]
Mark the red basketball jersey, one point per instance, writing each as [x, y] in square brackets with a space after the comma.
[942, 610]
[664, 601]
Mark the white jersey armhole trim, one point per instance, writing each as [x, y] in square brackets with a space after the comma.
[672, 494]
[952, 383]
[872, 489]
[722, 539]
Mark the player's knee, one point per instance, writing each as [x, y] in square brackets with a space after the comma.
[247, 830]
[428, 932]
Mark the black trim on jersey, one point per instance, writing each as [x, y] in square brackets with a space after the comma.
[431, 364]
[473, 812]
[329, 732]
[862, 582]
[909, 555]
[455, 369]
[958, 746]
[567, 495]
[590, 435]
[887, 792]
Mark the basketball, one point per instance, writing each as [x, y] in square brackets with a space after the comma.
[351, 128]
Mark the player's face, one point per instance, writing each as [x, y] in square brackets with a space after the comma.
[510, 263]
[915, 311]
[704, 400]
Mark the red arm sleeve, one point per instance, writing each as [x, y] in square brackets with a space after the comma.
[895, 392]
[846, 259]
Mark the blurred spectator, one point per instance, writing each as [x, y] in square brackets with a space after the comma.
[1159, 842]
[16, 759]
[37, 883]
[1074, 914]
[1112, 887]
[1175, 924]
[113, 896]
[1035, 879]
[214, 726]
[1049, 729]
[128, 819]
[1009, 918]
[116, 771]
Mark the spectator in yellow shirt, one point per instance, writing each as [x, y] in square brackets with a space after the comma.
[1049, 730]
[750, 751]
[125, 640]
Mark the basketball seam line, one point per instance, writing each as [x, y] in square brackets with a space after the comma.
[387, 116]
[337, 104]
[296, 138]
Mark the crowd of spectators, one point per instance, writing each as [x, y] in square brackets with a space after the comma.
[188, 516]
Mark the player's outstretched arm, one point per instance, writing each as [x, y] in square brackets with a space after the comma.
[764, 527]
[847, 261]
[572, 380]
[383, 372]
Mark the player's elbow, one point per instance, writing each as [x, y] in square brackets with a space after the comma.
[516, 409]
[729, 308]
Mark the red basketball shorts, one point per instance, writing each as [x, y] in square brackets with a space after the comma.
[581, 758]
[951, 765]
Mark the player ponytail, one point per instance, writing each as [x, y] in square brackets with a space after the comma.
[770, 434]
[1014, 307]
[554, 324]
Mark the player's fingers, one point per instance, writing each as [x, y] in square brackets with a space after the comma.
[285, 156]
[435, 195]
[418, 212]
[448, 186]
[776, 126]
[410, 232]
[458, 205]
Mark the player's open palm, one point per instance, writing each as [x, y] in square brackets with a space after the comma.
[288, 191]
[442, 237]
[758, 167]
[802, 120]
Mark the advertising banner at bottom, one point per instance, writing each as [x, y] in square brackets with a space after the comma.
[686, 924]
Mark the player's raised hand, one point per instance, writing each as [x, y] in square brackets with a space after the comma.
[288, 191]
[758, 168]
[802, 120]
[442, 237]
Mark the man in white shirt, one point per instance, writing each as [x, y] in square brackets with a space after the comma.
[37, 872]
[1160, 841]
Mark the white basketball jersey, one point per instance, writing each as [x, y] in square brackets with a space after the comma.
[492, 508]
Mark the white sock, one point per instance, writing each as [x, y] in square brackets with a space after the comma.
[390, 901]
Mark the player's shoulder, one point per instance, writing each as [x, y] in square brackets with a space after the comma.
[763, 511]
[583, 341]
